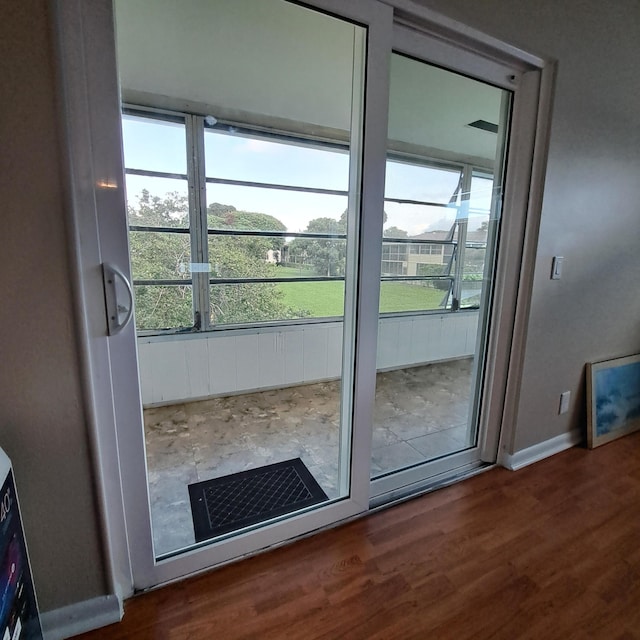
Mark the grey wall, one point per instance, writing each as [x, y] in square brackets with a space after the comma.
[590, 216]
[591, 211]
[41, 409]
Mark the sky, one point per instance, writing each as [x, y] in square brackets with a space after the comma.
[161, 146]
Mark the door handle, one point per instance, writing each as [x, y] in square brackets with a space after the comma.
[115, 309]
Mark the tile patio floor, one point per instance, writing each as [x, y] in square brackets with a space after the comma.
[420, 413]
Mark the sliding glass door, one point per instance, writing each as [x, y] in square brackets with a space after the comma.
[446, 153]
[248, 236]
[243, 139]
[323, 266]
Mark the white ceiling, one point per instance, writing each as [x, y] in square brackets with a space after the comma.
[433, 107]
[279, 60]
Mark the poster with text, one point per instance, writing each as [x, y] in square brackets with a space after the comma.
[19, 618]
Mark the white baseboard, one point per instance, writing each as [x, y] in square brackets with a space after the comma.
[540, 451]
[80, 617]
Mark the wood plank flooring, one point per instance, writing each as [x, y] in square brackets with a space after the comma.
[551, 551]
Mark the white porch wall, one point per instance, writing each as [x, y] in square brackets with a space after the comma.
[187, 367]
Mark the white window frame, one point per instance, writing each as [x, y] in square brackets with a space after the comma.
[393, 266]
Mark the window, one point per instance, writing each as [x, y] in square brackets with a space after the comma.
[422, 200]
[251, 226]
[427, 249]
[159, 220]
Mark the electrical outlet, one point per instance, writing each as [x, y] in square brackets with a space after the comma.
[565, 397]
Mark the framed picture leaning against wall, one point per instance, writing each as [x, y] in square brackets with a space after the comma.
[613, 399]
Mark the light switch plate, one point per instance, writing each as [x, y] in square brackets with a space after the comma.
[556, 267]
[564, 402]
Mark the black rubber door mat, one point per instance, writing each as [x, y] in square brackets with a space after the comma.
[241, 499]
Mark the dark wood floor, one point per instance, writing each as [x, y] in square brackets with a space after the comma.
[551, 551]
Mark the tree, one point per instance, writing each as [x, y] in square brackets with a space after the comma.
[161, 256]
[394, 232]
[327, 255]
[167, 256]
[224, 216]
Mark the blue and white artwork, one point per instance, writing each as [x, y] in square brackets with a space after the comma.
[617, 397]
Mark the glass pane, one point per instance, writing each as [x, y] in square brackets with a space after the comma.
[420, 182]
[266, 302]
[161, 256]
[314, 299]
[482, 190]
[404, 220]
[242, 207]
[431, 361]
[154, 145]
[292, 162]
[472, 283]
[480, 199]
[240, 399]
[157, 202]
[413, 295]
[273, 257]
[163, 307]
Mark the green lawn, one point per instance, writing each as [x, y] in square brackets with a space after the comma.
[397, 296]
[322, 299]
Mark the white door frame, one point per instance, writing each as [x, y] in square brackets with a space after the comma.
[91, 144]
